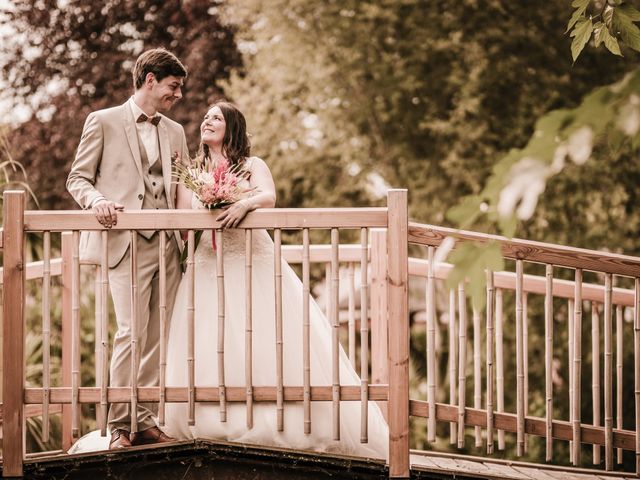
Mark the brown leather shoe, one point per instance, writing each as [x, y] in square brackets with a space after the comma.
[119, 439]
[149, 436]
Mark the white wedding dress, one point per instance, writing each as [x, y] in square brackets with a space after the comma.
[264, 430]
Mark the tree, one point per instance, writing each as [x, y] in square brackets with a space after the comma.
[426, 97]
[65, 59]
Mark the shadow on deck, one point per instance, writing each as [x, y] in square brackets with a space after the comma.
[201, 459]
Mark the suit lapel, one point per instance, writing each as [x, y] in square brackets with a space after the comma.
[132, 137]
[165, 156]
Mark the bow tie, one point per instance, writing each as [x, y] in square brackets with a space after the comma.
[155, 120]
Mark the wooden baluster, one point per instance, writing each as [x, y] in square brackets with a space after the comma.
[477, 372]
[525, 357]
[608, 375]
[352, 316]
[462, 361]
[162, 310]
[248, 337]
[191, 368]
[335, 338]
[548, 361]
[67, 337]
[499, 362]
[570, 330]
[431, 343]
[619, 353]
[519, 362]
[104, 332]
[453, 427]
[636, 365]
[306, 329]
[327, 289]
[277, 234]
[135, 317]
[46, 334]
[490, 349]
[577, 367]
[75, 337]
[364, 338]
[97, 332]
[595, 374]
[222, 389]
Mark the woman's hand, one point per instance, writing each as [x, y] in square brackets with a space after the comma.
[233, 214]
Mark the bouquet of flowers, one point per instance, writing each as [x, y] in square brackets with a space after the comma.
[215, 186]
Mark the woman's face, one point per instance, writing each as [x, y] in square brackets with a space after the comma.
[213, 127]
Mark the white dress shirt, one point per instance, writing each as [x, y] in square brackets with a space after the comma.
[147, 132]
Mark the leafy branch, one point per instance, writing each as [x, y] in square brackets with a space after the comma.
[609, 114]
[615, 25]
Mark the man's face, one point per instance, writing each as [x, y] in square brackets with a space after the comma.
[166, 92]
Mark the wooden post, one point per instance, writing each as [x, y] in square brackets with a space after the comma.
[67, 269]
[379, 365]
[398, 267]
[13, 334]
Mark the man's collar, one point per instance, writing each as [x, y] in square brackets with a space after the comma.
[135, 108]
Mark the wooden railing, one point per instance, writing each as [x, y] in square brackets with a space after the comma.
[18, 222]
[382, 256]
[492, 415]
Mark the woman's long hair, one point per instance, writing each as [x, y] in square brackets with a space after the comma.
[236, 146]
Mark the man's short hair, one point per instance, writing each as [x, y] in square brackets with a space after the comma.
[158, 61]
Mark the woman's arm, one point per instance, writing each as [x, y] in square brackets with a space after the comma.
[183, 196]
[264, 195]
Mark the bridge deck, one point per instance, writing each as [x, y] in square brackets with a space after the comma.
[454, 466]
[200, 459]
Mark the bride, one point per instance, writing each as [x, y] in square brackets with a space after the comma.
[224, 139]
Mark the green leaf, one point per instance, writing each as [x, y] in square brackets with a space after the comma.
[508, 225]
[598, 33]
[629, 32]
[470, 263]
[630, 11]
[582, 34]
[580, 3]
[610, 42]
[466, 212]
[577, 14]
[607, 15]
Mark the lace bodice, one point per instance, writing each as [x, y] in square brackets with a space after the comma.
[234, 240]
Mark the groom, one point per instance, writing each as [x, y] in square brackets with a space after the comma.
[123, 161]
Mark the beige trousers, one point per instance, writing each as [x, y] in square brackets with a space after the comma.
[148, 329]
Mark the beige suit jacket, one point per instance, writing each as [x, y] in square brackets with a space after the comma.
[108, 164]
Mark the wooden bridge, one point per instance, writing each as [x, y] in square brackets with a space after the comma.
[464, 403]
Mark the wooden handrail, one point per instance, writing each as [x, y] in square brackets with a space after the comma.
[537, 252]
[284, 218]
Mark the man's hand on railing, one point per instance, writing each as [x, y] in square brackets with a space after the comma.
[105, 211]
